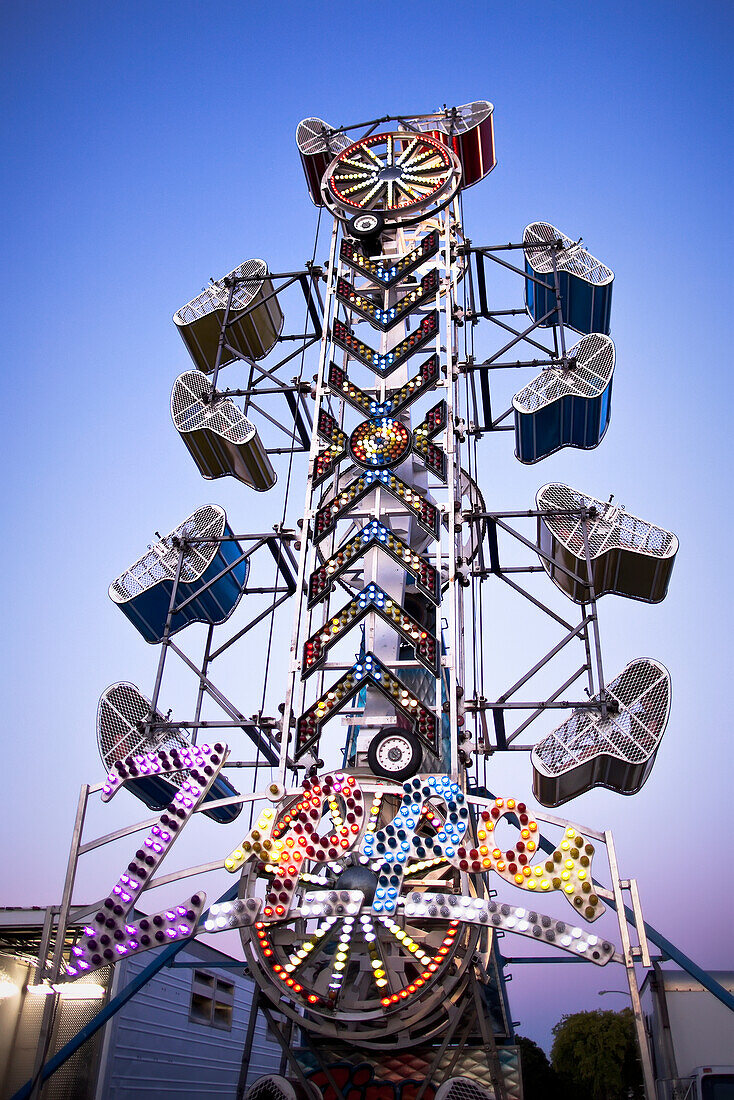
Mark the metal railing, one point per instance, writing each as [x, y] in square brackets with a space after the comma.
[676, 1088]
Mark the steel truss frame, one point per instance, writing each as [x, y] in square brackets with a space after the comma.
[484, 418]
[265, 381]
[586, 631]
[445, 554]
[290, 579]
[262, 732]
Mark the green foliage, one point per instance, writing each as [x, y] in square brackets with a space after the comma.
[539, 1082]
[595, 1056]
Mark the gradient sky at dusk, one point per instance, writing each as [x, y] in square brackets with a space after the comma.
[148, 147]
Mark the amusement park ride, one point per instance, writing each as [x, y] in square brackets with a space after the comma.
[367, 885]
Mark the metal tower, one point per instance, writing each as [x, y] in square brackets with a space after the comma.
[368, 887]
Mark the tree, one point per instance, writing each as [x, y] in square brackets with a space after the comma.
[595, 1055]
[539, 1081]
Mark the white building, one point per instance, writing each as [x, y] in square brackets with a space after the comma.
[181, 1036]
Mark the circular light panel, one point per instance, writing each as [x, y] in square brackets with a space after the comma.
[405, 176]
[382, 442]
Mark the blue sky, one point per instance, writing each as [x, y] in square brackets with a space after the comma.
[149, 147]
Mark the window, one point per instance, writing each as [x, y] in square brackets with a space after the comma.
[718, 1087]
[212, 1000]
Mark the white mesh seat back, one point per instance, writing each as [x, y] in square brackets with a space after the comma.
[595, 357]
[571, 257]
[466, 118]
[215, 296]
[160, 562]
[469, 132]
[463, 1088]
[318, 147]
[275, 1087]
[254, 321]
[313, 137]
[192, 410]
[612, 528]
[616, 751]
[122, 712]
[630, 556]
[218, 435]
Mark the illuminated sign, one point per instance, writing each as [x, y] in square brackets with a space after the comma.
[367, 670]
[433, 455]
[327, 459]
[388, 271]
[379, 443]
[384, 363]
[426, 514]
[109, 936]
[399, 174]
[371, 598]
[395, 400]
[363, 303]
[374, 533]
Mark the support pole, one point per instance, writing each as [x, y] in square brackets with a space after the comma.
[594, 617]
[442, 1050]
[166, 634]
[629, 965]
[490, 1047]
[50, 1002]
[222, 336]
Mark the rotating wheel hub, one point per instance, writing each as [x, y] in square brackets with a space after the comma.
[341, 956]
[404, 176]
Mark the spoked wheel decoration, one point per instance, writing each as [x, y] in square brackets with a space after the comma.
[334, 936]
[406, 177]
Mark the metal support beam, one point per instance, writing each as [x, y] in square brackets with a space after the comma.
[442, 1050]
[51, 1002]
[629, 965]
[490, 1047]
[247, 1046]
